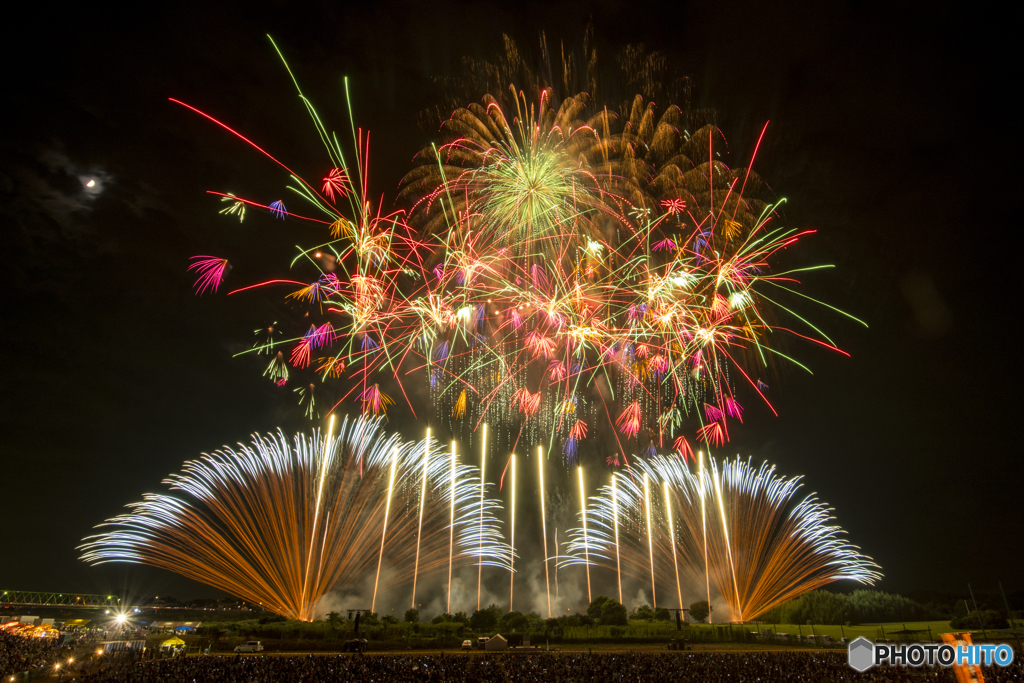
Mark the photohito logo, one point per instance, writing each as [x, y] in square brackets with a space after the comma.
[864, 654]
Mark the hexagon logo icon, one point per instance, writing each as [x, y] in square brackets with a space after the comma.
[862, 654]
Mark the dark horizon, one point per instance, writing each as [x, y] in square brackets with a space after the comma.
[879, 138]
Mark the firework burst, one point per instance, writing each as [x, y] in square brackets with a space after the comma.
[281, 522]
[210, 271]
[742, 529]
[560, 262]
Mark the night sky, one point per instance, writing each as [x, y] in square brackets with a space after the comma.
[892, 134]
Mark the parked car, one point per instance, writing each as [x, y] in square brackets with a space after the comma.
[467, 645]
[251, 646]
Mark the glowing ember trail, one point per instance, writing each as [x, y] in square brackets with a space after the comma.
[483, 467]
[544, 525]
[737, 609]
[583, 518]
[615, 523]
[512, 536]
[704, 530]
[451, 534]
[650, 536]
[384, 531]
[672, 537]
[316, 510]
[419, 530]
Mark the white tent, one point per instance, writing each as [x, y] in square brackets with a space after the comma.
[498, 642]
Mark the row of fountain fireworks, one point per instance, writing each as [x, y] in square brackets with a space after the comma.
[284, 523]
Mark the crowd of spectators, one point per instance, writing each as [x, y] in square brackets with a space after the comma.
[707, 667]
[20, 653]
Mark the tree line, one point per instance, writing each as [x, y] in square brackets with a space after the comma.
[858, 607]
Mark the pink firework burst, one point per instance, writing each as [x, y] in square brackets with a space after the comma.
[713, 413]
[336, 183]
[301, 352]
[658, 363]
[540, 345]
[712, 434]
[528, 402]
[733, 408]
[613, 460]
[330, 282]
[674, 205]
[556, 319]
[665, 245]
[539, 277]
[578, 430]
[517, 319]
[682, 447]
[210, 270]
[322, 336]
[720, 307]
[375, 400]
[556, 370]
[629, 420]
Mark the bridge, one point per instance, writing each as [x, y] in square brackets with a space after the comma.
[43, 599]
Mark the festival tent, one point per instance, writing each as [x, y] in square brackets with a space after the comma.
[498, 642]
[122, 645]
[174, 626]
[173, 644]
